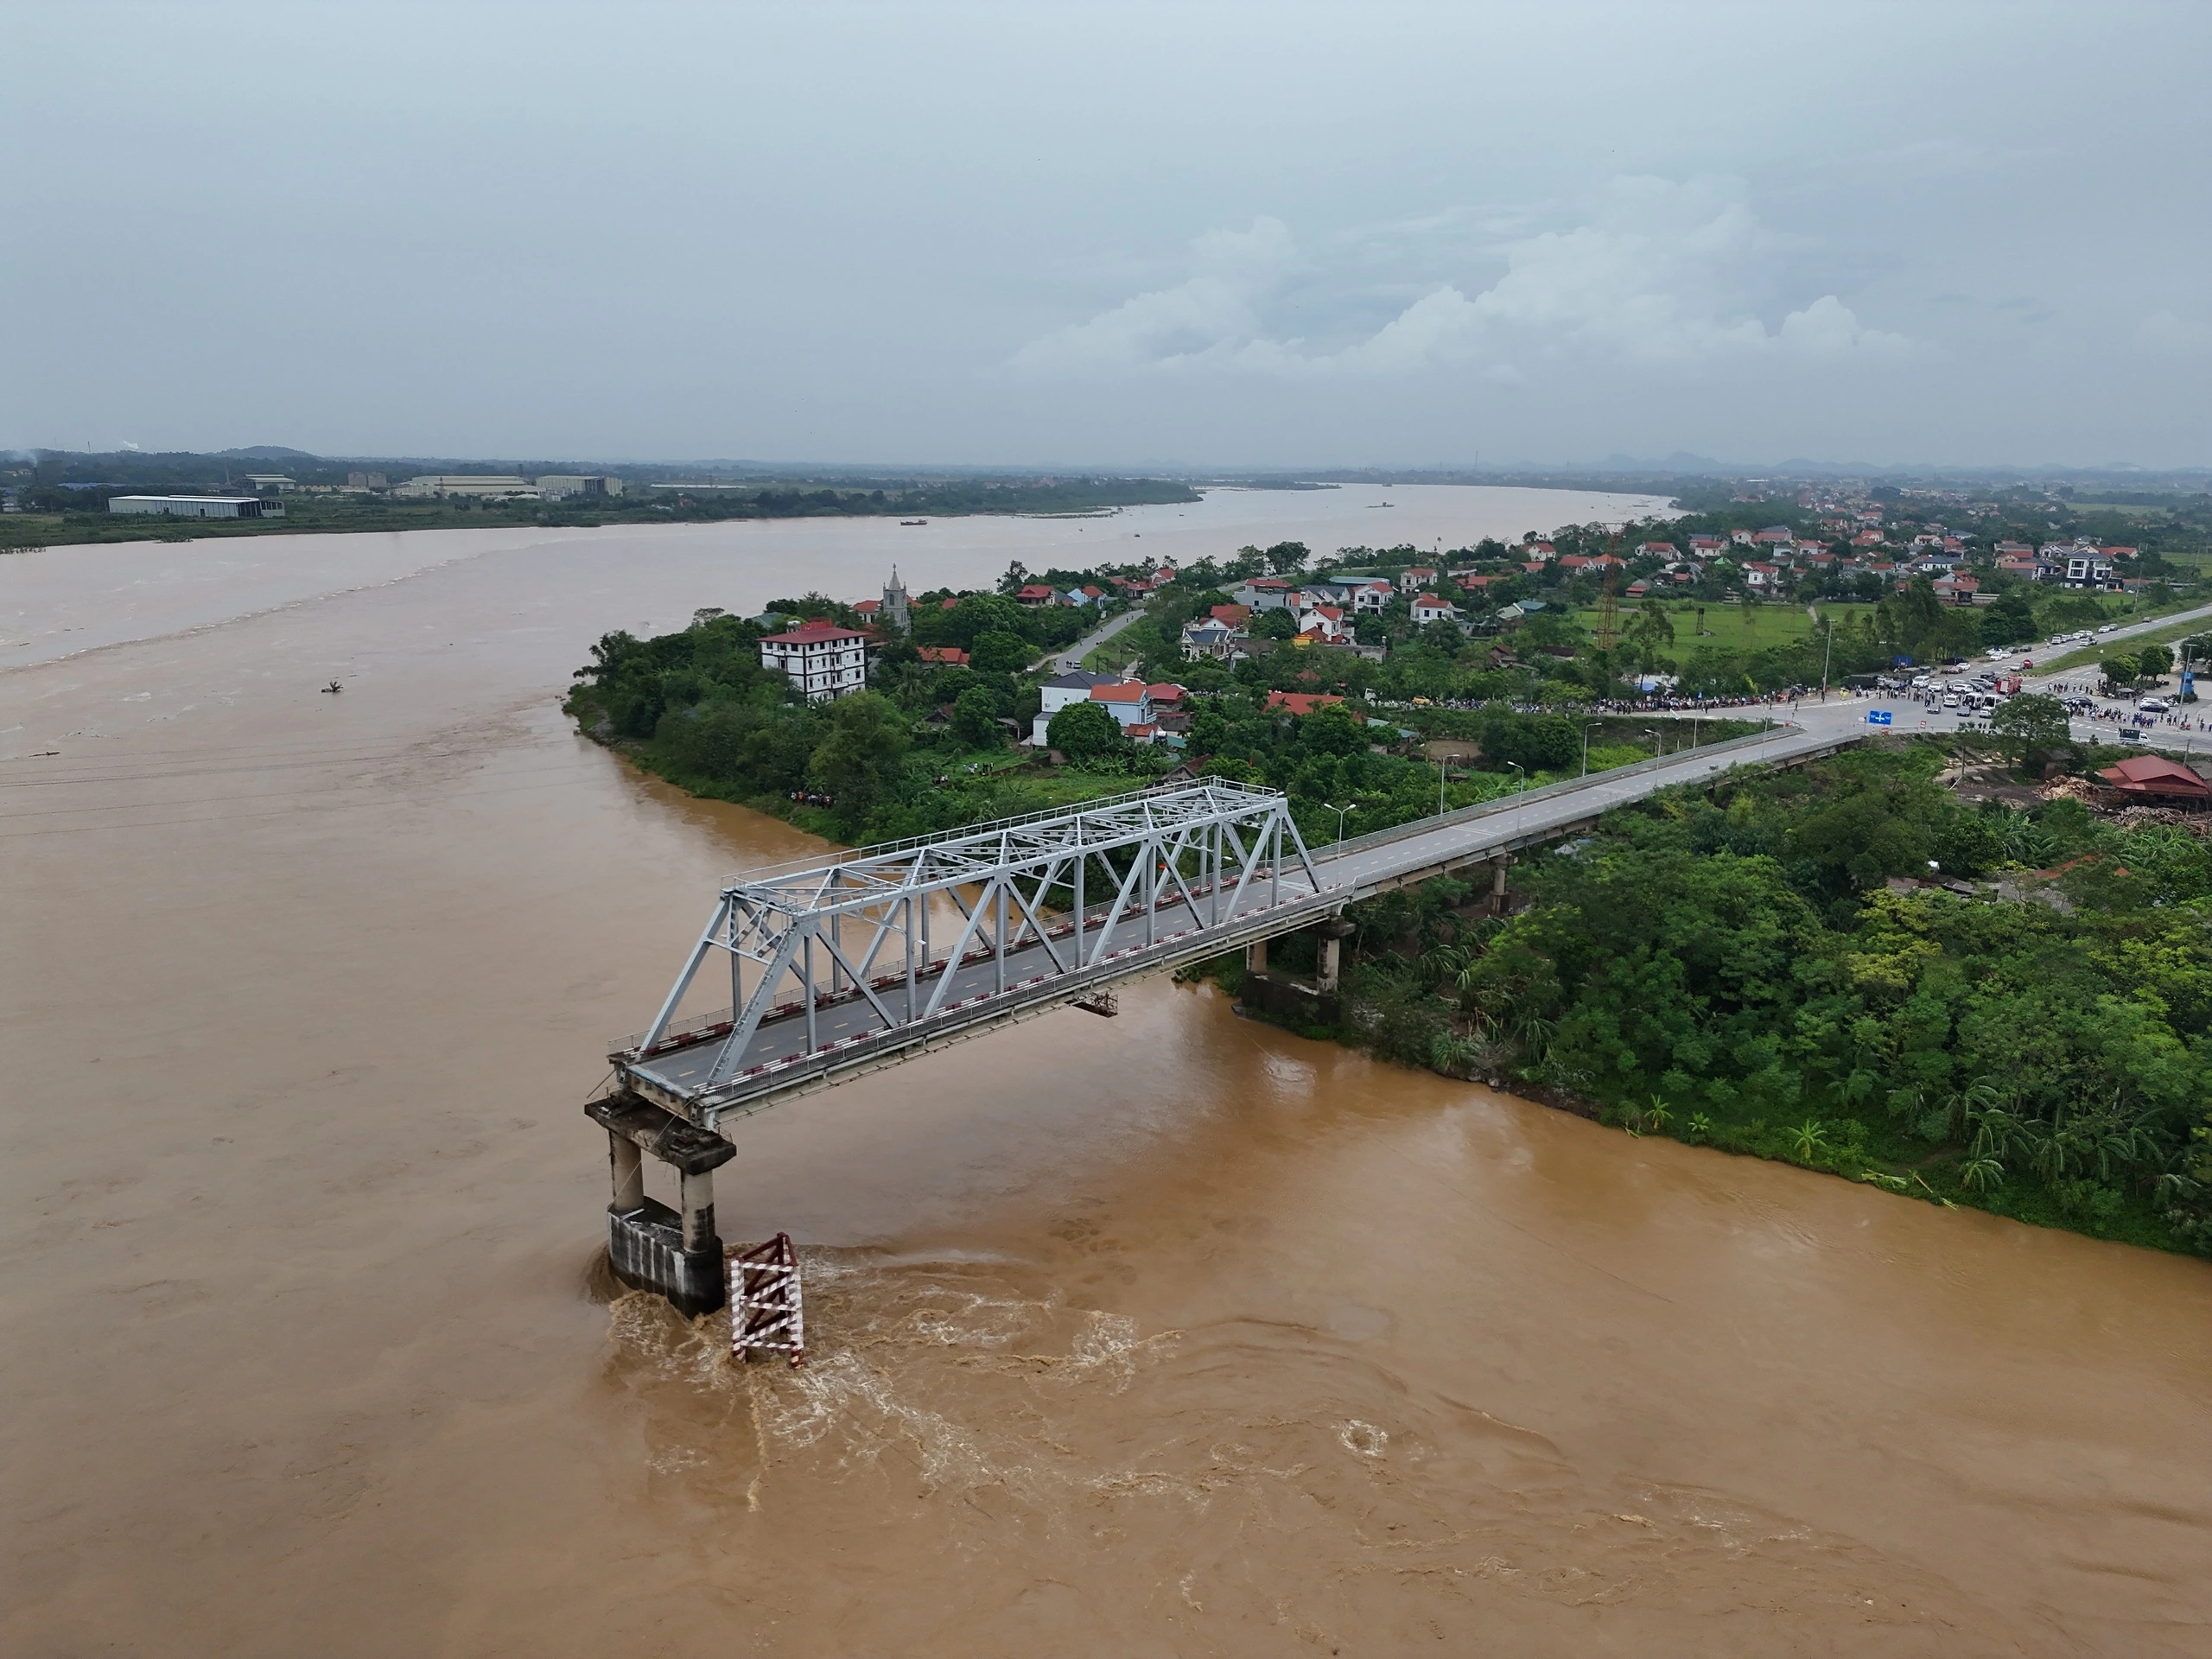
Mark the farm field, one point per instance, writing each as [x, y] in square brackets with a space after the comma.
[1730, 628]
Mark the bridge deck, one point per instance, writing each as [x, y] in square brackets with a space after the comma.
[849, 1034]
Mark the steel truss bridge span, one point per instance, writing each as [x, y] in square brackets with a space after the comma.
[1039, 910]
[909, 946]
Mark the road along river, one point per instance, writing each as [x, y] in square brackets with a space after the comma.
[1164, 1334]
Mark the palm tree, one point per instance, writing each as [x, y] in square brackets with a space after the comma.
[1981, 1175]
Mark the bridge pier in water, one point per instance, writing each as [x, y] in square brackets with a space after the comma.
[1289, 996]
[674, 1253]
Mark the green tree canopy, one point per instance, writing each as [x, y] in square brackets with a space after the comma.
[1001, 652]
[1082, 731]
[855, 761]
[2030, 726]
[975, 717]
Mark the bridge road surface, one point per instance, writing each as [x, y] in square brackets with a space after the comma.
[1356, 869]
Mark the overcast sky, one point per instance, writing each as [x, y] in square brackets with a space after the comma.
[1115, 235]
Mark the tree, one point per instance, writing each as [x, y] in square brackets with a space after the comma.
[1016, 578]
[1648, 630]
[1332, 729]
[854, 762]
[2031, 725]
[981, 613]
[976, 718]
[1277, 624]
[2153, 662]
[2010, 620]
[1001, 652]
[2120, 669]
[1082, 730]
[1286, 557]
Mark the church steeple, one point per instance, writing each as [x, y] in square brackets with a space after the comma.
[894, 603]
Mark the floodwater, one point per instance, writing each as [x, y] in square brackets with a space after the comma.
[1162, 1334]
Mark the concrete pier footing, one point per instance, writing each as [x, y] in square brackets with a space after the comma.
[1286, 995]
[651, 1246]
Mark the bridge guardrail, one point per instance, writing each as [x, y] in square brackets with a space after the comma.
[1542, 792]
[884, 848]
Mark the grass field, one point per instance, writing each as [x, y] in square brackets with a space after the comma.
[1728, 629]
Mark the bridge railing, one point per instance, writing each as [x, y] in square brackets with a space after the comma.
[1505, 803]
[990, 826]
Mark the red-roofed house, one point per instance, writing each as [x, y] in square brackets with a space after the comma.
[950, 656]
[1412, 580]
[1035, 594]
[1430, 607]
[823, 659]
[1300, 703]
[1129, 703]
[1321, 624]
[1230, 616]
[2152, 777]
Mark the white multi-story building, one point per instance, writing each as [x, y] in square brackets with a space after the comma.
[823, 659]
[559, 487]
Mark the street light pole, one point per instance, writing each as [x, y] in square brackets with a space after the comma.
[1587, 727]
[1340, 811]
[1523, 770]
[1828, 650]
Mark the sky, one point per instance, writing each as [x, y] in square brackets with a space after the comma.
[1117, 236]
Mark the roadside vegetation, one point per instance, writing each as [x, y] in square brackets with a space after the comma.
[1847, 969]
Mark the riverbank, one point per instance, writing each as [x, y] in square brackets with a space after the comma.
[647, 504]
[1753, 970]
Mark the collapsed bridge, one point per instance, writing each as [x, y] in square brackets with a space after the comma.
[841, 965]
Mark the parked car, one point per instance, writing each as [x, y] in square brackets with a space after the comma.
[2154, 705]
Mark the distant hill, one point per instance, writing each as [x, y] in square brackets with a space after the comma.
[267, 452]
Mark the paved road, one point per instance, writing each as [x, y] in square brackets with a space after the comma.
[1357, 869]
[1073, 656]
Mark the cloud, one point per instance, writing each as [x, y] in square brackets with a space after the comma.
[2163, 331]
[1211, 315]
[1661, 273]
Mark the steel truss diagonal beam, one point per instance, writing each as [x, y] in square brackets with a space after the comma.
[1194, 858]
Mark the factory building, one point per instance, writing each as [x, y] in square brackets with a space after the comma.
[507, 486]
[555, 486]
[198, 507]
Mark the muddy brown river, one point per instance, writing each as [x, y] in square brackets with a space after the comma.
[1167, 1334]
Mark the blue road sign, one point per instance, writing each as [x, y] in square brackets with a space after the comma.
[1878, 717]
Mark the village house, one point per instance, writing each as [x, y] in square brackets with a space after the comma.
[1431, 608]
[825, 660]
[1264, 594]
[1321, 624]
[1412, 580]
[1128, 701]
[1300, 703]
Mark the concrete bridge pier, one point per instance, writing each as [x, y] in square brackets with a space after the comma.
[673, 1252]
[1286, 995]
[1499, 866]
